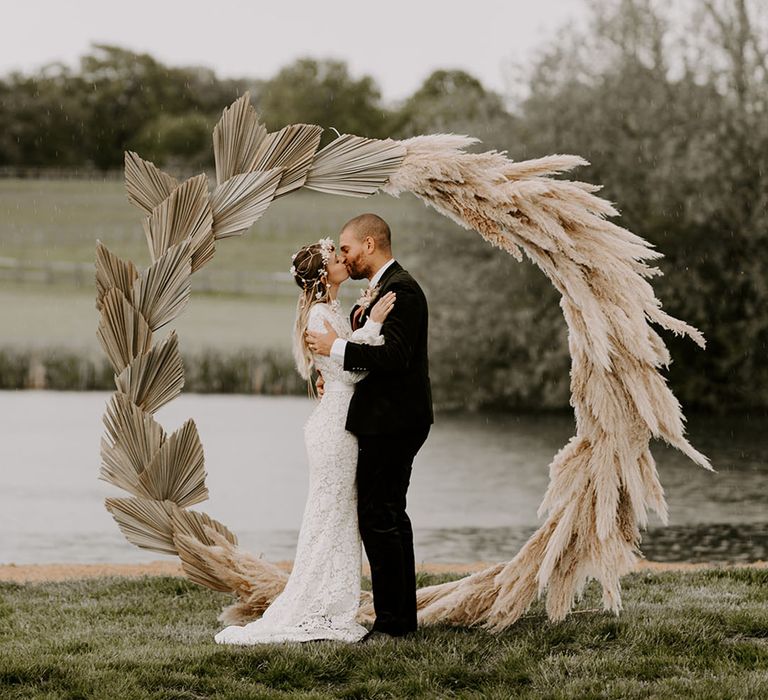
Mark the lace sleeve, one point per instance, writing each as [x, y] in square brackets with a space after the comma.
[369, 334]
[317, 314]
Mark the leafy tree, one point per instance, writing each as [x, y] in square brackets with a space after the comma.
[455, 101]
[127, 90]
[677, 134]
[181, 140]
[42, 119]
[323, 92]
[675, 128]
[91, 116]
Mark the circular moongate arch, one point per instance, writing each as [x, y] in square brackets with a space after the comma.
[602, 482]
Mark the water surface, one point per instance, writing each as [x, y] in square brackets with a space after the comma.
[474, 493]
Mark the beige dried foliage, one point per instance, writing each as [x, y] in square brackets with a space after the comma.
[123, 332]
[242, 145]
[603, 481]
[291, 150]
[183, 221]
[239, 202]
[155, 378]
[177, 472]
[237, 139]
[162, 290]
[152, 524]
[184, 214]
[146, 184]
[145, 522]
[354, 166]
[112, 271]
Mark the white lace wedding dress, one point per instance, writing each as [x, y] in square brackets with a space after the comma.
[321, 598]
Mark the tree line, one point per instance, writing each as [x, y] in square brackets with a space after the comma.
[118, 100]
[669, 103]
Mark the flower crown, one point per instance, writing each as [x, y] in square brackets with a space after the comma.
[326, 251]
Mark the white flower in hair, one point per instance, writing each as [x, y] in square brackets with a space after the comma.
[367, 297]
[326, 249]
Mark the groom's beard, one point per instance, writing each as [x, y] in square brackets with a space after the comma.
[357, 272]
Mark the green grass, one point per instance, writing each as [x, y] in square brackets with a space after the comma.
[39, 318]
[683, 635]
[60, 220]
[44, 221]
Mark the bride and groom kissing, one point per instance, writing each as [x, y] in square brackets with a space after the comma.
[374, 414]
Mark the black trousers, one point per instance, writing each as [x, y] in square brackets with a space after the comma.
[383, 474]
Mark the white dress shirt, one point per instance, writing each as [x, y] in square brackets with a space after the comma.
[340, 345]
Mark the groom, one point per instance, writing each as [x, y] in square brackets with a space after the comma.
[390, 413]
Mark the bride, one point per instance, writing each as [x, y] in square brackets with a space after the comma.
[321, 598]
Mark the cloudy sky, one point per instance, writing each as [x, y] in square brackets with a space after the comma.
[399, 42]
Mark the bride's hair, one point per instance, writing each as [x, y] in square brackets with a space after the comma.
[310, 273]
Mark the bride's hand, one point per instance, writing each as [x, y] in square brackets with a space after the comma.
[382, 307]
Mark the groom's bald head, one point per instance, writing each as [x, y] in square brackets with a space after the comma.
[373, 226]
[365, 244]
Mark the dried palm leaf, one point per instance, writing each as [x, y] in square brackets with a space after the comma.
[237, 139]
[196, 524]
[146, 184]
[185, 213]
[155, 378]
[177, 473]
[117, 469]
[241, 200]
[112, 271]
[134, 439]
[354, 166]
[202, 254]
[292, 149]
[162, 290]
[145, 522]
[123, 332]
[152, 524]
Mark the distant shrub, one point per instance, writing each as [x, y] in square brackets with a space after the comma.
[244, 372]
[14, 369]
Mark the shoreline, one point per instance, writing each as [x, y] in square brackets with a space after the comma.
[36, 573]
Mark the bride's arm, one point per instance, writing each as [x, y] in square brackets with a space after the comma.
[370, 332]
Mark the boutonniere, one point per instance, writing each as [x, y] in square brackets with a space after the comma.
[367, 297]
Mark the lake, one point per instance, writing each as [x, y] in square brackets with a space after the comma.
[474, 493]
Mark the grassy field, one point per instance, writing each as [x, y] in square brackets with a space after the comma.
[58, 221]
[38, 318]
[61, 220]
[682, 635]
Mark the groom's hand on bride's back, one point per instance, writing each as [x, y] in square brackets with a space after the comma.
[321, 343]
[320, 385]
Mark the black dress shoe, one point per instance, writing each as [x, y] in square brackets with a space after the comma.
[376, 636]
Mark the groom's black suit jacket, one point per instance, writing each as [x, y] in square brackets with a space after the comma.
[396, 395]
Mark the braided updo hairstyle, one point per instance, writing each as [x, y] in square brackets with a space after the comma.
[310, 273]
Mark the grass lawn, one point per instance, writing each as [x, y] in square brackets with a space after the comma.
[687, 635]
[55, 221]
[60, 220]
[39, 318]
